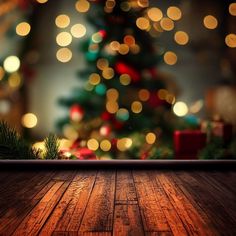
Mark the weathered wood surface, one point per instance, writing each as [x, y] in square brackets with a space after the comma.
[117, 202]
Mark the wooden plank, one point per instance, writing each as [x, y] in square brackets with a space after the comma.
[125, 189]
[158, 234]
[99, 212]
[64, 175]
[152, 215]
[209, 207]
[171, 215]
[68, 213]
[127, 221]
[191, 218]
[32, 224]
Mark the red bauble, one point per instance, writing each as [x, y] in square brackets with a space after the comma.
[122, 68]
[85, 154]
[76, 113]
[105, 130]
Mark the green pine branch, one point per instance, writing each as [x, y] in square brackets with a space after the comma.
[13, 146]
[52, 147]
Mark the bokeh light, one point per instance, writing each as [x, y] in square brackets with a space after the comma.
[155, 14]
[129, 40]
[64, 55]
[14, 80]
[70, 132]
[92, 144]
[64, 39]
[112, 94]
[123, 49]
[136, 107]
[62, 21]
[210, 22]
[124, 143]
[143, 95]
[112, 107]
[180, 109]
[78, 30]
[232, 9]
[167, 24]
[174, 13]
[230, 40]
[105, 145]
[125, 79]
[94, 79]
[23, 29]
[181, 37]
[82, 6]
[29, 120]
[2, 73]
[150, 138]
[102, 63]
[11, 64]
[142, 23]
[41, 1]
[108, 73]
[170, 58]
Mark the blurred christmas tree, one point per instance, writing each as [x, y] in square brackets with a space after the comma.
[123, 109]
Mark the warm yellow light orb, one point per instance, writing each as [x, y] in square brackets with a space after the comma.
[129, 40]
[92, 144]
[41, 1]
[64, 55]
[23, 29]
[112, 107]
[62, 21]
[102, 63]
[167, 24]
[181, 37]
[125, 79]
[232, 9]
[135, 49]
[64, 39]
[143, 23]
[78, 30]
[174, 13]
[94, 79]
[150, 138]
[170, 58]
[123, 49]
[29, 120]
[14, 80]
[124, 143]
[162, 94]
[115, 45]
[2, 73]
[143, 95]
[112, 94]
[210, 22]
[136, 107]
[180, 109]
[82, 6]
[230, 40]
[155, 14]
[11, 64]
[70, 132]
[105, 145]
[108, 73]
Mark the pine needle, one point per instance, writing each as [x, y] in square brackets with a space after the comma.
[52, 147]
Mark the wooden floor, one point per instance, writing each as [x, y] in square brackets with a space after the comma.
[117, 202]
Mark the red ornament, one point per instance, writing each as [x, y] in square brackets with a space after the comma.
[105, 130]
[84, 154]
[76, 113]
[122, 68]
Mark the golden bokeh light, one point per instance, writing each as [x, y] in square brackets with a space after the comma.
[129, 40]
[174, 13]
[29, 120]
[78, 30]
[112, 94]
[97, 38]
[11, 64]
[14, 80]
[125, 79]
[62, 21]
[64, 39]
[110, 3]
[180, 109]
[102, 63]
[150, 138]
[82, 6]
[230, 40]
[144, 95]
[170, 98]
[143, 23]
[136, 107]
[105, 145]
[143, 3]
[210, 22]
[64, 55]
[135, 49]
[124, 144]
[115, 45]
[167, 24]
[232, 9]
[125, 6]
[181, 37]
[41, 1]
[170, 58]
[92, 144]
[108, 73]
[70, 132]
[112, 107]
[94, 79]
[123, 49]
[2, 73]
[155, 14]
[23, 29]
[162, 94]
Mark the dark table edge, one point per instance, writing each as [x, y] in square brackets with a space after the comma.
[128, 164]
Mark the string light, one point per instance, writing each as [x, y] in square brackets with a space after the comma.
[135, 49]
[115, 45]
[129, 40]
[143, 3]
[170, 58]
[11, 64]
[41, 1]
[123, 49]
[105, 145]
[162, 94]
[144, 95]
[64, 39]
[150, 138]
[112, 94]
[64, 55]
[181, 37]
[232, 9]
[174, 13]
[14, 80]
[180, 109]
[70, 132]
[142, 23]
[136, 107]
[112, 107]
[62, 21]
[155, 14]
[92, 144]
[125, 79]
[102, 63]
[23, 29]
[210, 22]
[82, 6]
[94, 79]
[170, 98]
[230, 40]
[124, 144]
[78, 30]
[29, 120]
[167, 24]
[108, 73]
[97, 38]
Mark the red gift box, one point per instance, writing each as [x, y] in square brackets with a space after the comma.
[188, 143]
